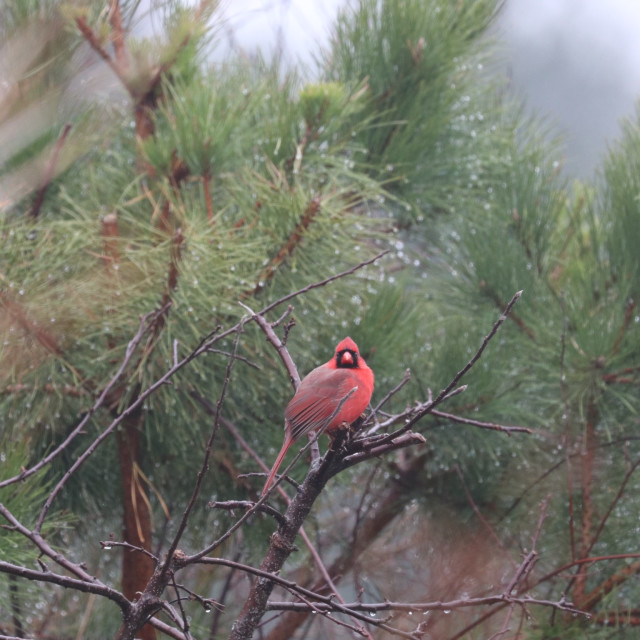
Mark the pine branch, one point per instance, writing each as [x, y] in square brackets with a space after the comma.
[586, 488]
[41, 335]
[94, 42]
[50, 388]
[628, 318]
[590, 600]
[293, 241]
[118, 39]
[48, 176]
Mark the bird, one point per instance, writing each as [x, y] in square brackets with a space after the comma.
[316, 405]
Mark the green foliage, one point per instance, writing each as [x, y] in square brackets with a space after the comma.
[321, 103]
[621, 207]
[422, 64]
[24, 502]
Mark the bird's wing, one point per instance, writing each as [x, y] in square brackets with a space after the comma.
[317, 399]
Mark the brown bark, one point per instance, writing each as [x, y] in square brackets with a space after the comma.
[137, 567]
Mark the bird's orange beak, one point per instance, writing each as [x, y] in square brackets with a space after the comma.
[347, 358]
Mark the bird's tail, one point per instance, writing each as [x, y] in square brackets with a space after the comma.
[276, 465]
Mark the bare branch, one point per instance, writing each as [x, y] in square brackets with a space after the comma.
[282, 350]
[479, 352]
[387, 397]
[232, 505]
[322, 283]
[87, 584]
[326, 604]
[109, 544]
[374, 451]
[482, 425]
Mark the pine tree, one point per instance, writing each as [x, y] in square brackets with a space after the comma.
[153, 227]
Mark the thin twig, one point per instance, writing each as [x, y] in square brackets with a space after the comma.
[205, 462]
[327, 604]
[183, 615]
[226, 588]
[109, 544]
[508, 429]
[232, 505]
[454, 382]
[322, 283]
[282, 350]
[240, 358]
[387, 397]
[481, 517]
[529, 561]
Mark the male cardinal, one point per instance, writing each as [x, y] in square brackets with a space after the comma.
[319, 395]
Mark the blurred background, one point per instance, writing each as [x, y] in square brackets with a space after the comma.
[576, 61]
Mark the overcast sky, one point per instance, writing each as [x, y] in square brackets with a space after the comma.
[576, 60]
[579, 62]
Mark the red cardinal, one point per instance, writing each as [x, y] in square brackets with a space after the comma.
[319, 396]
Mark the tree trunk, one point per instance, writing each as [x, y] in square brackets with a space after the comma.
[137, 568]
